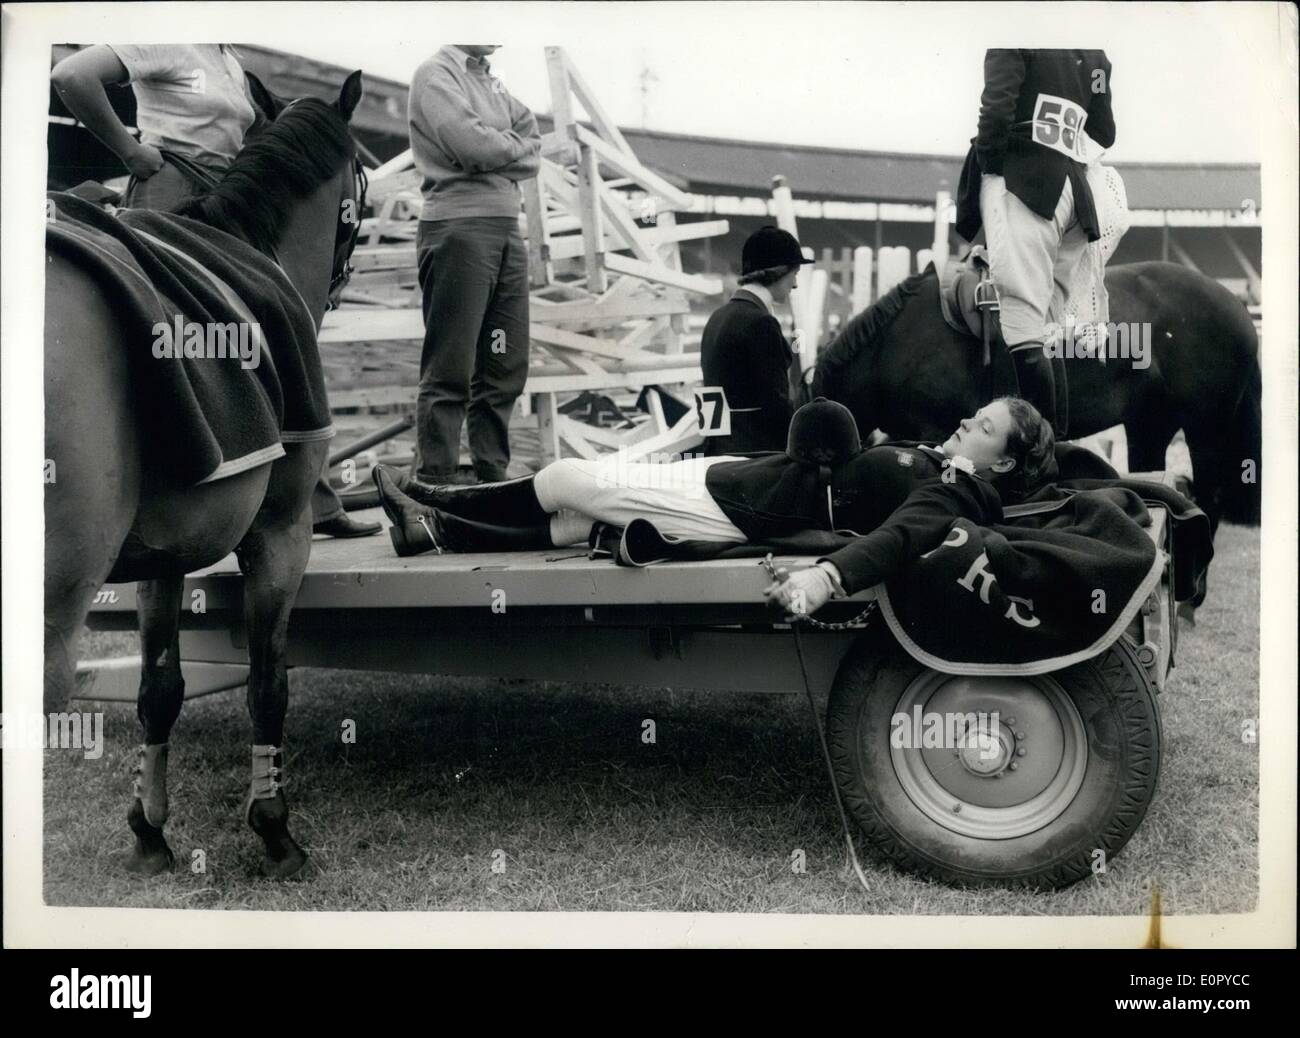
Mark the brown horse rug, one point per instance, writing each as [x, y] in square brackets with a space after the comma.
[222, 349]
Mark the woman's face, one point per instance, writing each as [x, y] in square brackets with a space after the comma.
[983, 439]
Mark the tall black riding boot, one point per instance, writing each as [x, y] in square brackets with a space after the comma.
[1062, 425]
[1034, 373]
[509, 503]
[419, 528]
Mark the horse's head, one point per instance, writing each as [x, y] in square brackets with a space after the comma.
[294, 177]
[353, 200]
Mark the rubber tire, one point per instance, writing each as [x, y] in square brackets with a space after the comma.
[1117, 704]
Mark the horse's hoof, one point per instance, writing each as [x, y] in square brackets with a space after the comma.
[290, 865]
[1187, 613]
[269, 818]
[151, 855]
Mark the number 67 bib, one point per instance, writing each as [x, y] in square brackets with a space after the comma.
[1058, 124]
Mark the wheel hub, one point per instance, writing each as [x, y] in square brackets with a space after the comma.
[985, 754]
[994, 758]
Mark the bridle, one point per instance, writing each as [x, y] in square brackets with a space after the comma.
[345, 241]
[346, 237]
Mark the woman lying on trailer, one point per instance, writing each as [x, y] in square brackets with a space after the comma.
[901, 498]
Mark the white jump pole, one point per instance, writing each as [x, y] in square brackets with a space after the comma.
[861, 278]
[783, 201]
[942, 202]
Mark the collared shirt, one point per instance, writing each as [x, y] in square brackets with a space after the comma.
[471, 141]
[762, 293]
[473, 61]
[190, 99]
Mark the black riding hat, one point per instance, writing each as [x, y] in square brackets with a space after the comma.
[770, 247]
[823, 432]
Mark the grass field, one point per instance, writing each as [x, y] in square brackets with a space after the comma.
[448, 776]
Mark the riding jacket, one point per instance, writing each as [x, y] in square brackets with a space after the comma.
[744, 352]
[897, 496]
[1034, 106]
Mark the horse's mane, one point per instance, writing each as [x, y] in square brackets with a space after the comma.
[294, 155]
[863, 330]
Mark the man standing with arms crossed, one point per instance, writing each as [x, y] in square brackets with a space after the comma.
[472, 143]
[1025, 180]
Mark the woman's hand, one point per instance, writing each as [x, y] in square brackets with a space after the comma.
[144, 160]
[802, 592]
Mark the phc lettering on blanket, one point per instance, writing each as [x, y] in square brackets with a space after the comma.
[212, 340]
[879, 433]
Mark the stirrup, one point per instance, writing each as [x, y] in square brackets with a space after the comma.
[987, 296]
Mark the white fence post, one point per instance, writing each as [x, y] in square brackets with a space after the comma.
[861, 278]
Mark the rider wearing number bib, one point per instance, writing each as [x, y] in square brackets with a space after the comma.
[743, 351]
[1024, 180]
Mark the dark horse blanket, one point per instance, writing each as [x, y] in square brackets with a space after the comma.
[223, 356]
[1054, 584]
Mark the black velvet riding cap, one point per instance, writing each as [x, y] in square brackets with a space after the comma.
[770, 247]
[823, 432]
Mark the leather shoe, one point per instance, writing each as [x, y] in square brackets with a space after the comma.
[345, 526]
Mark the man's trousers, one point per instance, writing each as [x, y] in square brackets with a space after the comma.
[474, 284]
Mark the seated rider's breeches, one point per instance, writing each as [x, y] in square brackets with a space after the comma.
[1033, 260]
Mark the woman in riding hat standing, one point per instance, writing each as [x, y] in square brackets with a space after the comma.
[744, 352]
[194, 106]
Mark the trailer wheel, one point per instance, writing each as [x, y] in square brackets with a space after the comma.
[1056, 783]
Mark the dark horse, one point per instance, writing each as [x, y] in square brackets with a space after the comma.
[111, 517]
[899, 368]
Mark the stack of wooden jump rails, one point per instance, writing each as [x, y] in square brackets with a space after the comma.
[608, 293]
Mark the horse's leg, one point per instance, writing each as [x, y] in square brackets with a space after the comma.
[273, 556]
[93, 486]
[1148, 435]
[162, 691]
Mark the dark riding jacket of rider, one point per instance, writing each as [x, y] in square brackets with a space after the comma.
[745, 353]
[1013, 82]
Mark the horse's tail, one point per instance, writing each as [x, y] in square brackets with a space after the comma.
[1241, 492]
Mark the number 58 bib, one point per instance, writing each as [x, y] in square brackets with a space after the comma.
[1058, 124]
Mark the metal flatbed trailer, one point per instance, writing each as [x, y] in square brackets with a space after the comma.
[551, 615]
[1067, 775]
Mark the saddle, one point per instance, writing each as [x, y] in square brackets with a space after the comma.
[968, 298]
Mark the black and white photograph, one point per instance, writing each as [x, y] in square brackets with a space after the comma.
[684, 475]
